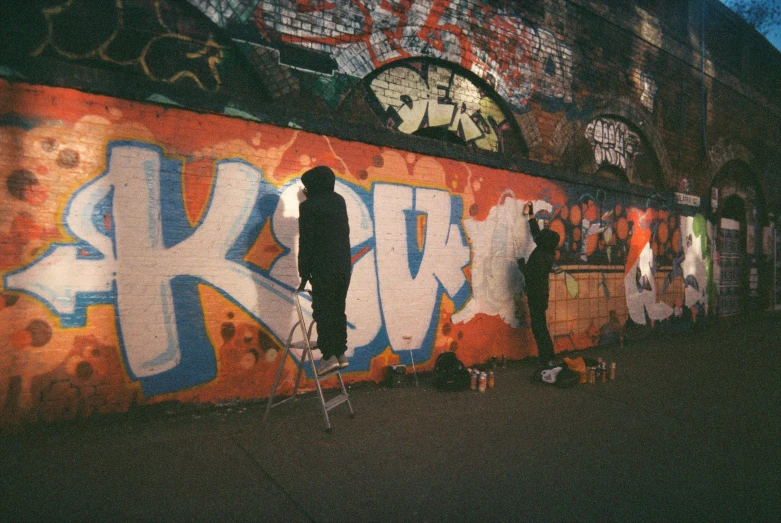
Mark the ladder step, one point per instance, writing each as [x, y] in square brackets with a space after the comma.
[335, 401]
[302, 345]
[321, 377]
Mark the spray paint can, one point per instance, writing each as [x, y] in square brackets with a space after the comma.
[592, 375]
[491, 380]
[612, 371]
[504, 361]
[483, 380]
[473, 380]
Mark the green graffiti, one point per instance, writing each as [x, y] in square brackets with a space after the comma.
[700, 229]
[332, 89]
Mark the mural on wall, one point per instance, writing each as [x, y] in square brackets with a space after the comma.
[646, 85]
[147, 37]
[421, 96]
[141, 264]
[130, 226]
[613, 148]
[493, 43]
[614, 143]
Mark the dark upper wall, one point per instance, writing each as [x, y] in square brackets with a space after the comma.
[551, 82]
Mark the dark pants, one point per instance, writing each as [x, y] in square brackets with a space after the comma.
[329, 298]
[540, 330]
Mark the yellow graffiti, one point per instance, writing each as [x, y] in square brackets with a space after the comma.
[185, 48]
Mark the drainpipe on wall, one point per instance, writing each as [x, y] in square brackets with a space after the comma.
[712, 216]
[704, 88]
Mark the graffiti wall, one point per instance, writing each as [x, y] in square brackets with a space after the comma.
[415, 96]
[493, 43]
[148, 254]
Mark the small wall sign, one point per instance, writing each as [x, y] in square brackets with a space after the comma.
[687, 199]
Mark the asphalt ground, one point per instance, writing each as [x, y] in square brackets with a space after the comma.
[688, 431]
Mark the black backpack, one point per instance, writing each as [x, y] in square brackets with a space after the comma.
[567, 378]
[450, 373]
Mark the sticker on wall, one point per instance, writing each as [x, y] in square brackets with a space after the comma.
[572, 285]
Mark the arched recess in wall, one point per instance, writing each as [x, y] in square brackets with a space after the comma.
[436, 99]
[744, 274]
[144, 49]
[609, 146]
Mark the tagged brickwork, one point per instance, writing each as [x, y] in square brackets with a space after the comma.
[164, 267]
[148, 230]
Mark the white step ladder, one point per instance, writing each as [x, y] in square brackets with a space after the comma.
[306, 356]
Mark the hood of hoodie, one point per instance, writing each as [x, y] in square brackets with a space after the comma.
[547, 240]
[318, 180]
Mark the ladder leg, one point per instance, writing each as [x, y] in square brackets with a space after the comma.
[319, 390]
[301, 365]
[298, 375]
[306, 333]
[285, 354]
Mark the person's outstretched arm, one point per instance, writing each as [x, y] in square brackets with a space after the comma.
[533, 225]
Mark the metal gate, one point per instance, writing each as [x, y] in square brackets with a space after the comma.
[730, 268]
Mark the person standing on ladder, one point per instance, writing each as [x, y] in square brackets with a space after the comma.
[324, 260]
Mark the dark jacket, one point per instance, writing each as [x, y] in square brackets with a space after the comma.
[324, 231]
[539, 266]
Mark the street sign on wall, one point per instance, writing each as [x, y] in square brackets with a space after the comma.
[687, 199]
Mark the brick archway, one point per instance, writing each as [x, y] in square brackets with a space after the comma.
[744, 278]
[571, 150]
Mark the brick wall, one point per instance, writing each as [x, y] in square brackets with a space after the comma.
[149, 219]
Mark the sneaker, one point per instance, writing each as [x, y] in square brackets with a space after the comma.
[342, 361]
[327, 365]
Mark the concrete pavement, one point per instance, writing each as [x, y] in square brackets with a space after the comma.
[689, 431]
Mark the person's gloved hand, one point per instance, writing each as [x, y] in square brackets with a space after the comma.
[302, 286]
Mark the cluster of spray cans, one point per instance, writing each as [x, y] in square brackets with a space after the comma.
[601, 372]
[481, 380]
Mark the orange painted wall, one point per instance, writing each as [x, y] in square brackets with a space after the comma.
[147, 254]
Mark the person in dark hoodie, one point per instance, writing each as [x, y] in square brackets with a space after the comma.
[324, 261]
[536, 273]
